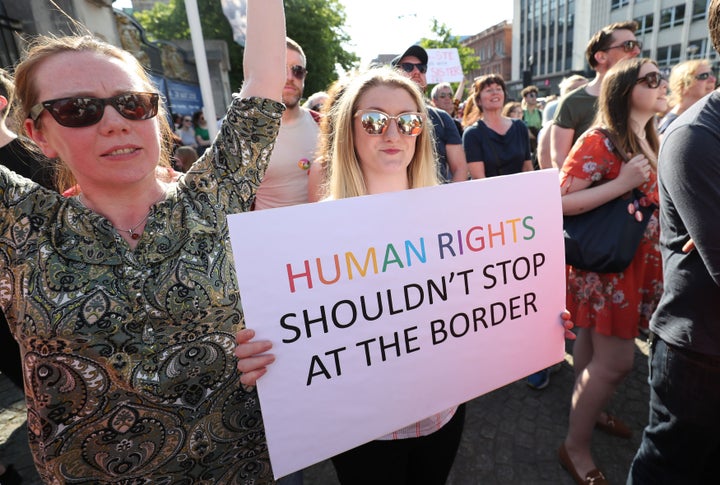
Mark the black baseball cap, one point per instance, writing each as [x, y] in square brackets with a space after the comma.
[413, 50]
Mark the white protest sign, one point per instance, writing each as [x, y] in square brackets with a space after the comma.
[386, 309]
[443, 66]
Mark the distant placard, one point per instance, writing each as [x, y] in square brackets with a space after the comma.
[444, 66]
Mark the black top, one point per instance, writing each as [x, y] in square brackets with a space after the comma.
[689, 187]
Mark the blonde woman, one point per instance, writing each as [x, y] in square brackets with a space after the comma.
[689, 82]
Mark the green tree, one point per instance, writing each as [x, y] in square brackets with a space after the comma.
[317, 25]
[446, 40]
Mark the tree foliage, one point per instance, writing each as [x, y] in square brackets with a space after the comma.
[317, 25]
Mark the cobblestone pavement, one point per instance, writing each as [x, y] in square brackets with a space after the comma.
[511, 435]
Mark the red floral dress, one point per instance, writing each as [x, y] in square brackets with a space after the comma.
[614, 304]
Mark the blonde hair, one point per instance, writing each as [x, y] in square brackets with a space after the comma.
[345, 177]
[46, 47]
[681, 77]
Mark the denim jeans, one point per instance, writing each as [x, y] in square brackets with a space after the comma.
[681, 443]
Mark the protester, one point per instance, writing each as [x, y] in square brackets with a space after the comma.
[14, 156]
[316, 101]
[448, 144]
[184, 157]
[680, 441]
[442, 97]
[689, 82]
[610, 307]
[513, 110]
[202, 132]
[286, 180]
[567, 85]
[186, 133]
[124, 299]
[495, 145]
[576, 111]
[532, 114]
[317, 178]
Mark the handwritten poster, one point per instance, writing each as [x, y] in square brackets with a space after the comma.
[386, 309]
[443, 66]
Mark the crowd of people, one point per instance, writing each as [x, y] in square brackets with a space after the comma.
[120, 287]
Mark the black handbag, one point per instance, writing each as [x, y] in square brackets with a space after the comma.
[605, 239]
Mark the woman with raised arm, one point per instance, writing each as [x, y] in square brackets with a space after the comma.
[124, 298]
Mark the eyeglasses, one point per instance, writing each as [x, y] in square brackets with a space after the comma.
[445, 95]
[703, 76]
[409, 66]
[299, 72]
[652, 79]
[86, 111]
[375, 122]
[188, 120]
[532, 95]
[627, 46]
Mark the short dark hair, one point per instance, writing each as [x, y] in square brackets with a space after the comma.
[528, 89]
[604, 37]
[484, 81]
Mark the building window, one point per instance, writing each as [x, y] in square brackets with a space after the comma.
[616, 4]
[699, 9]
[645, 24]
[672, 17]
[668, 55]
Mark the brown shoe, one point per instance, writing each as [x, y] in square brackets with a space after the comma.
[614, 426]
[593, 477]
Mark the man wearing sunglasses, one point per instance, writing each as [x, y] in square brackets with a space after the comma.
[452, 165]
[286, 178]
[576, 111]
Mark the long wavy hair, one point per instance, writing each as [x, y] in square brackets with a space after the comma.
[345, 177]
[615, 104]
[45, 47]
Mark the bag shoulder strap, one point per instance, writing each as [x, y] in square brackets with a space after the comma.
[613, 141]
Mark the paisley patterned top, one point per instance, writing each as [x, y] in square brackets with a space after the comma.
[128, 357]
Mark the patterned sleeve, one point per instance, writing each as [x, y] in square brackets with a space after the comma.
[230, 171]
[591, 158]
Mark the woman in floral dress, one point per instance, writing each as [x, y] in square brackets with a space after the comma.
[609, 308]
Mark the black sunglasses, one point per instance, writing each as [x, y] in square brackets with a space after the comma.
[627, 46]
[84, 111]
[652, 79]
[409, 66]
[703, 76]
[298, 71]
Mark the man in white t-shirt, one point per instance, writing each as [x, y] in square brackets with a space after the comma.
[285, 182]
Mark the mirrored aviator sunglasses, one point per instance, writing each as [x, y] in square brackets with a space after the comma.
[78, 112]
[376, 122]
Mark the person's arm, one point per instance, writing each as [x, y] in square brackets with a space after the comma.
[579, 197]
[543, 150]
[477, 169]
[560, 144]
[528, 166]
[316, 179]
[456, 160]
[264, 57]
